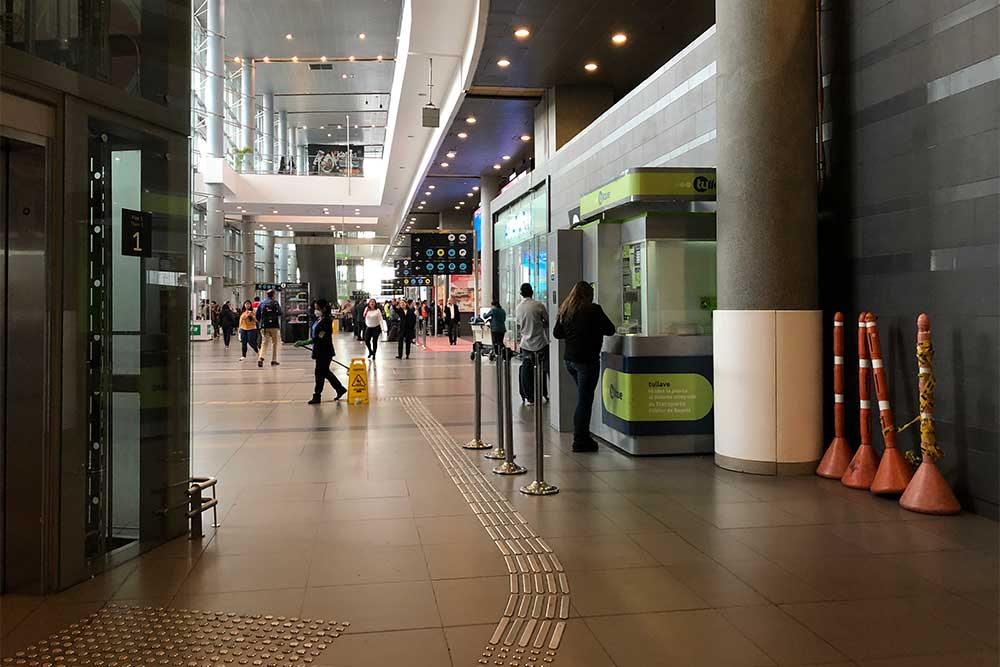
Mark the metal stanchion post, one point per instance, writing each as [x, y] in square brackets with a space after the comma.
[507, 466]
[539, 487]
[477, 441]
[498, 452]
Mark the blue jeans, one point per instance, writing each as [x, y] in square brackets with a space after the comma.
[585, 376]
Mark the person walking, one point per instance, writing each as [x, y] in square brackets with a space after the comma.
[215, 311]
[248, 329]
[374, 322]
[359, 319]
[533, 323]
[269, 315]
[497, 318]
[407, 328]
[583, 325]
[228, 322]
[323, 352]
[452, 320]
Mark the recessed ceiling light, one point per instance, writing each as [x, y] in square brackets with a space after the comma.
[357, 226]
[503, 63]
[475, 188]
[289, 36]
[343, 76]
[496, 166]
[461, 203]
[267, 59]
[423, 201]
[322, 59]
[420, 208]
[427, 194]
[322, 127]
[458, 208]
[525, 137]
[295, 59]
[619, 38]
[505, 158]
[305, 127]
[362, 36]
[351, 58]
[329, 134]
[332, 227]
[274, 211]
[469, 194]
[590, 67]
[413, 219]
[237, 59]
[463, 135]
[451, 155]
[445, 165]
[340, 127]
[522, 33]
[379, 57]
[431, 187]
[471, 120]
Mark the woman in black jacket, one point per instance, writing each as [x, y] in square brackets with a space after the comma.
[583, 324]
[323, 352]
[227, 322]
[407, 327]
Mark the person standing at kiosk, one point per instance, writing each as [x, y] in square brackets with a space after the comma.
[583, 324]
[533, 322]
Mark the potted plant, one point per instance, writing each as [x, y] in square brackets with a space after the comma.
[239, 155]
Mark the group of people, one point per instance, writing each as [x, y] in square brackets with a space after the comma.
[397, 318]
[258, 323]
[582, 324]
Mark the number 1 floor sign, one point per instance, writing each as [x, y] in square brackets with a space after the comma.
[357, 382]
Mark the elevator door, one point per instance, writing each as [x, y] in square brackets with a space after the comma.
[23, 365]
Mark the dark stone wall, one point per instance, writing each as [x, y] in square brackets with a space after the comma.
[909, 216]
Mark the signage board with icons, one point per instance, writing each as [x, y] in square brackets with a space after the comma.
[443, 253]
[406, 268]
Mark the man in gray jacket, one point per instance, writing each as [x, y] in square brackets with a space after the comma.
[533, 323]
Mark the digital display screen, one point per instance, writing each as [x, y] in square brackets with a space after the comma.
[444, 253]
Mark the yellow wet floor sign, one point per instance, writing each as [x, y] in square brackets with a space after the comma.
[357, 382]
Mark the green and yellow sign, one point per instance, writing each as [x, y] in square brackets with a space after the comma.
[659, 400]
[650, 184]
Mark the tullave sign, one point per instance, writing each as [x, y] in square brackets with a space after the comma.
[672, 396]
[650, 184]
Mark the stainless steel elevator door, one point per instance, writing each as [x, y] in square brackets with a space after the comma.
[23, 364]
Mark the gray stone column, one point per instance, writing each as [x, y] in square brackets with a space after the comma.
[248, 113]
[268, 164]
[489, 189]
[293, 263]
[248, 262]
[281, 268]
[268, 259]
[767, 327]
[215, 67]
[282, 139]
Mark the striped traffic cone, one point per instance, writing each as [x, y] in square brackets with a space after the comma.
[861, 470]
[894, 473]
[838, 455]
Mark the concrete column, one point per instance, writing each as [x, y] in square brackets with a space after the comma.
[248, 263]
[767, 332]
[269, 258]
[282, 138]
[268, 164]
[489, 189]
[281, 268]
[302, 162]
[248, 113]
[215, 67]
[290, 148]
[318, 266]
[293, 263]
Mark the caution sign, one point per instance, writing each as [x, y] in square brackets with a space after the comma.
[357, 382]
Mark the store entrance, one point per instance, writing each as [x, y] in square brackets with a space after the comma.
[526, 262]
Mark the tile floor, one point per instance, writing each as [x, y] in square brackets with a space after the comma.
[345, 512]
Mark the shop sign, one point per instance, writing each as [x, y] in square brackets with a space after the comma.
[650, 184]
[659, 402]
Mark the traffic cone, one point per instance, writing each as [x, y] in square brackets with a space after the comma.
[928, 491]
[838, 454]
[894, 473]
[861, 470]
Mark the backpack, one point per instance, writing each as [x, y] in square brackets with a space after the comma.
[269, 316]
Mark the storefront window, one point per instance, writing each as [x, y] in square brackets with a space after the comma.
[522, 253]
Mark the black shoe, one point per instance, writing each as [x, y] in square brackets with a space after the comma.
[275, 363]
[407, 356]
[399, 356]
[340, 393]
[315, 400]
[260, 363]
[589, 446]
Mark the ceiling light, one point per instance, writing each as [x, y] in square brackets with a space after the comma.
[590, 67]
[475, 188]
[471, 120]
[463, 135]
[237, 59]
[619, 38]
[469, 194]
[451, 155]
[305, 127]
[274, 211]
[413, 219]
[289, 36]
[357, 226]
[525, 137]
[351, 58]
[343, 76]
[496, 166]
[505, 158]
[420, 208]
[503, 63]
[431, 187]
[322, 59]
[522, 33]
[427, 194]
[423, 201]
[322, 127]
[362, 35]
[458, 208]
[379, 57]
[444, 165]
[332, 228]
[461, 203]
[267, 59]
[328, 134]
[295, 59]
[340, 127]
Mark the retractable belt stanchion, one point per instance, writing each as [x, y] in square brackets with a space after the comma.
[507, 466]
[539, 487]
[498, 452]
[477, 441]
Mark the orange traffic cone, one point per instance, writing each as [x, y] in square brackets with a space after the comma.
[894, 473]
[861, 470]
[928, 492]
[838, 454]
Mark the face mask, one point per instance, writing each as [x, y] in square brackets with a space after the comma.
[319, 313]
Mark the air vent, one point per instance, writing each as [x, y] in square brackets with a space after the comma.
[319, 66]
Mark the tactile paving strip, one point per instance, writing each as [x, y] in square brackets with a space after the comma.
[532, 624]
[133, 636]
